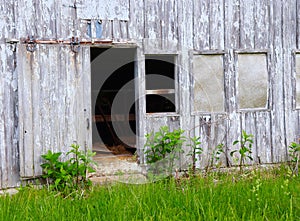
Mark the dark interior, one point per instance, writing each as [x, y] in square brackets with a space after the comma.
[162, 65]
[112, 69]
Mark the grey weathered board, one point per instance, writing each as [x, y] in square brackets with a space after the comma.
[44, 92]
[54, 112]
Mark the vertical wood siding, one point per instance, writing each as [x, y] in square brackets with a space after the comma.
[54, 104]
[9, 154]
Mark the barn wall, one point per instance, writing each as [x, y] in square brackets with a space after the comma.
[9, 154]
[231, 28]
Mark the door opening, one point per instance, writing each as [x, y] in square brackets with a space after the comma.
[113, 100]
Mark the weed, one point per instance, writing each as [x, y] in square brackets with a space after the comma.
[215, 157]
[163, 148]
[244, 148]
[195, 150]
[294, 153]
[68, 176]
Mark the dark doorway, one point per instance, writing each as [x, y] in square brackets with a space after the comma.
[113, 96]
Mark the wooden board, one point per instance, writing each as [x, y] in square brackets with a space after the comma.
[54, 103]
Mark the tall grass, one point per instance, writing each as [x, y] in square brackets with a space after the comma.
[216, 197]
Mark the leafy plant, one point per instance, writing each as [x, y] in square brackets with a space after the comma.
[71, 175]
[163, 148]
[215, 156]
[245, 146]
[195, 150]
[294, 153]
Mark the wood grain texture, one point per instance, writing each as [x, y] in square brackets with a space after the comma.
[9, 154]
[56, 111]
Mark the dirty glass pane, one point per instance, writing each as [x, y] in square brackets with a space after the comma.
[252, 81]
[297, 80]
[208, 83]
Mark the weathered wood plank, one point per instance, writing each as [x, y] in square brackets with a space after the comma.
[220, 122]
[140, 87]
[247, 24]
[203, 127]
[12, 115]
[232, 24]
[263, 137]
[298, 24]
[277, 113]
[153, 20]
[289, 44]
[201, 24]
[7, 24]
[65, 24]
[184, 64]
[45, 15]
[261, 19]
[87, 104]
[103, 10]
[26, 63]
[234, 124]
[107, 28]
[249, 126]
[169, 23]
[136, 20]
[123, 30]
[26, 24]
[116, 30]
[216, 25]
[3, 148]
[153, 26]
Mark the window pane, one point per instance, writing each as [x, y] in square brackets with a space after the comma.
[162, 65]
[160, 103]
[160, 83]
[252, 81]
[208, 83]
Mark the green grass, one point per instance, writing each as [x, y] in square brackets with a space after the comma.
[254, 196]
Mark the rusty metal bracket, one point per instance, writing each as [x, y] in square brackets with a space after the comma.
[75, 45]
[31, 44]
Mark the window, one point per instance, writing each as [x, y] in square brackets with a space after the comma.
[252, 81]
[208, 73]
[160, 83]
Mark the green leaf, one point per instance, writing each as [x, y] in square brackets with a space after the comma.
[232, 152]
[235, 142]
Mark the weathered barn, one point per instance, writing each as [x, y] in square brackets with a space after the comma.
[231, 65]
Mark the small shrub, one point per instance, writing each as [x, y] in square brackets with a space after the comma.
[68, 176]
[215, 157]
[163, 148]
[294, 152]
[244, 148]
